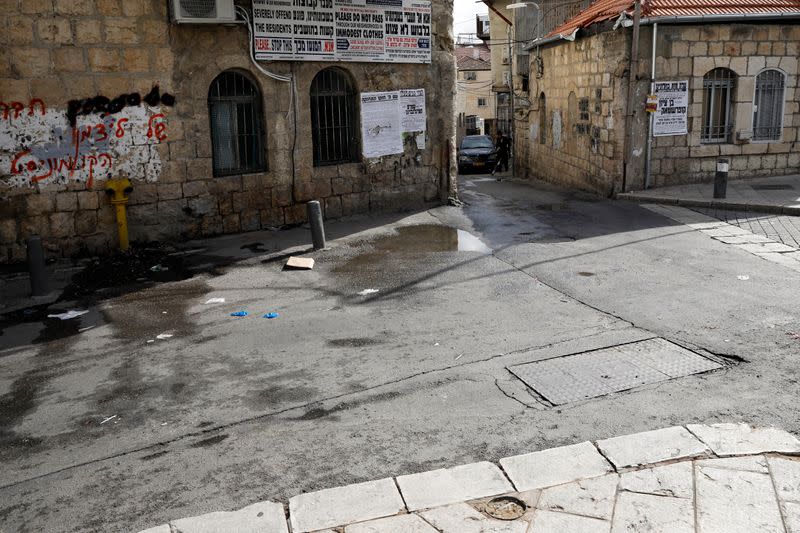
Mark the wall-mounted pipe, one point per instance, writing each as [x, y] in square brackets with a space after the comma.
[647, 162]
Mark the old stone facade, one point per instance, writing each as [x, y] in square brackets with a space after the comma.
[574, 129]
[52, 179]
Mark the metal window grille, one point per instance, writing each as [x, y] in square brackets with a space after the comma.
[503, 113]
[768, 106]
[333, 118]
[472, 122]
[542, 119]
[237, 129]
[470, 75]
[718, 86]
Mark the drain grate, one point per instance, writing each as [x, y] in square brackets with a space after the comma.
[772, 187]
[591, 374]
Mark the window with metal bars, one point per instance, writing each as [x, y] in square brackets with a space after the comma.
[768, 106]
[237, 125]
[333, 118]
[718, 86]
[542, 119]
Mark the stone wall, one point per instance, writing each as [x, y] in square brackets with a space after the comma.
[688, 53]
[595, 67]
[52, 181]
[575, 138]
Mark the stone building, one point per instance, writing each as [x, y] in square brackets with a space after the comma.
[95, 89]
[474, 99]
[733, 65]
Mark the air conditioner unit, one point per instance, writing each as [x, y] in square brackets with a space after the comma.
[505, 60]
[203, 11]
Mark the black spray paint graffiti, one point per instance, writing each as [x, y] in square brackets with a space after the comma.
[106, 106]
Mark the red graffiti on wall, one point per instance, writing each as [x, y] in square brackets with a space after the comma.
[13, 110]
[43, 169]
[156, 127]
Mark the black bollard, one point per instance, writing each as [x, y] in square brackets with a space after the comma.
[317, 229]
[36, 266]
[721, 178]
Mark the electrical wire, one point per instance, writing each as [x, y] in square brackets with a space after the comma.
[279, 77]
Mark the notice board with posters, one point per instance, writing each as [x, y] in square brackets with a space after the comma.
[380, 31]
[388, 117]
[671, 115]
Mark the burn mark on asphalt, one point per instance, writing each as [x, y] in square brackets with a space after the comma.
[354, 342]
[320, 412]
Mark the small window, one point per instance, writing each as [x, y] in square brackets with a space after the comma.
[525, 83]
[237, 128]
[333, 118]
[718, 86]
[768, 106]
[470, 75]
[481, 102]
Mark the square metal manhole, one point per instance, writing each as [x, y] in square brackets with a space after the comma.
[572, 378]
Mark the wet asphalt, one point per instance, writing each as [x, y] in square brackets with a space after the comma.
[388, 358]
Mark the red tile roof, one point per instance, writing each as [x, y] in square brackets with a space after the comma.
[604, 10]
[469, 50]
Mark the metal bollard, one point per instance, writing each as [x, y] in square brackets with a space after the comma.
[721, 178]
[36, 266]
[317, 229]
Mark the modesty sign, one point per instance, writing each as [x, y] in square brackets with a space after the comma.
[381, 31]
[671, 117]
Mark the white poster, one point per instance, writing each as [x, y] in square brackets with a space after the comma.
[671, 115]
[380, 124]
[412, 110]
[386, 31]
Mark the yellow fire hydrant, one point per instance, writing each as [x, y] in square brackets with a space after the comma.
[118, 191]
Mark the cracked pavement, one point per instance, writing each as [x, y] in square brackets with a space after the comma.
[344, 388]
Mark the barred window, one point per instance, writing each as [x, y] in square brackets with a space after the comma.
[470, 75]
[333, 118]
[768, 106]
[542, 119]
[718, 86]
[482, 102]
[237, 124]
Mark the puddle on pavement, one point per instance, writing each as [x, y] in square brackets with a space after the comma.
[427, 238]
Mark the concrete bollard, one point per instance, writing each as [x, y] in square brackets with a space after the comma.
[721, 178]
[317, 229]
[36, 266]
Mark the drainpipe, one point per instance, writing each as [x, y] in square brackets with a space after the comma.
[652, 116]
[511, 125]
[629, 106]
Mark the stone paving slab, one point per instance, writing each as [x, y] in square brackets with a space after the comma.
[743, 481]
[263, 517]
[344, 505]
[651, 447]
[451, 485]
[742, 439]
[555, 466]
[646, 513]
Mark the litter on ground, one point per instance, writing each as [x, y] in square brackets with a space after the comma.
[300, 263]
[271, 315]
[367, 291]
[240, 313]
[215, 301]
[108, 419]
[68, 315]
[164, 336]
[743, 278]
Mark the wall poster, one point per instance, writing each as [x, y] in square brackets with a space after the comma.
[382, 31]
[671, 117]
[387, 117]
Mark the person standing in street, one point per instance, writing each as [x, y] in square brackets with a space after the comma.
[503, 151]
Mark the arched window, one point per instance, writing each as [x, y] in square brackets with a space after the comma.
[237, 128]
[334, 123]
[718, 86]
[542, 119]
[768, 106]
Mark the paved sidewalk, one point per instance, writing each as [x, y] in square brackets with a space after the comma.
[726, 478]
[780, 228]
[779, 194]
[759, 245]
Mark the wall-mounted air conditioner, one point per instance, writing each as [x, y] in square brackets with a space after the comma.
[203, 11]
[505, 60]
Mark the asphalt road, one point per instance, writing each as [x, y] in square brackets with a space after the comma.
[101, 430]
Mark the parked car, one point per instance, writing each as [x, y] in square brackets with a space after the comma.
[477, 152]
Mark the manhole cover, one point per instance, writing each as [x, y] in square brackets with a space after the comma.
[505, 508]
[590, 374]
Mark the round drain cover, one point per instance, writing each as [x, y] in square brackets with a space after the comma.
[505, 508]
